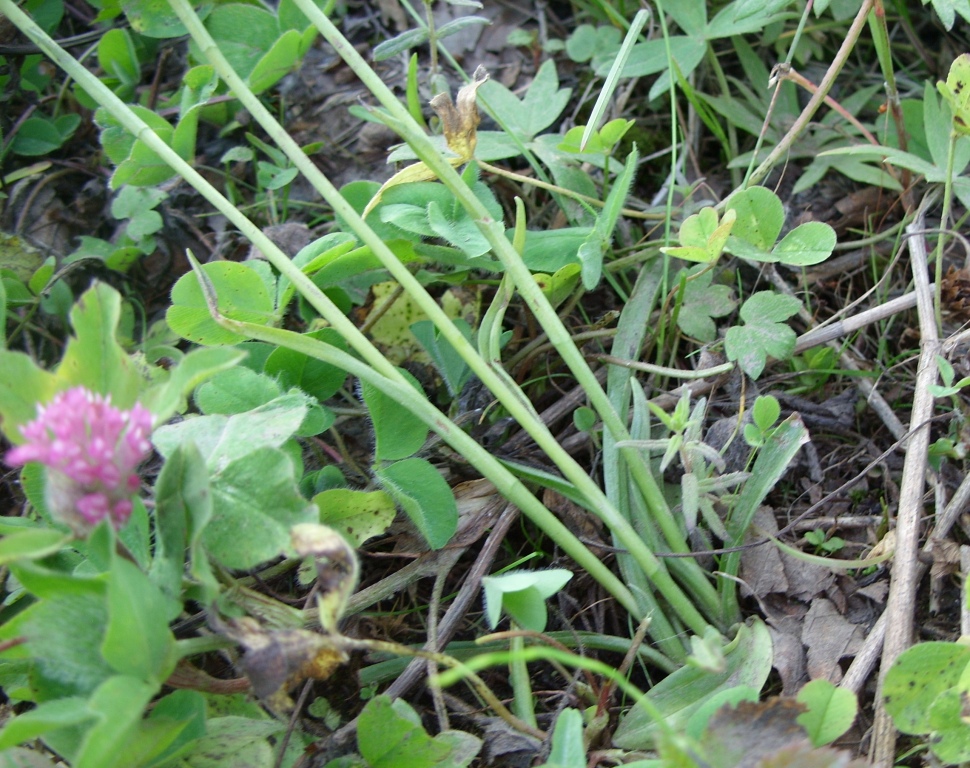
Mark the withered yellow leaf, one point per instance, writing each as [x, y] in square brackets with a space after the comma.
[459, 123]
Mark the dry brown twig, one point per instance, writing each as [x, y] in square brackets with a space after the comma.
[905, 572]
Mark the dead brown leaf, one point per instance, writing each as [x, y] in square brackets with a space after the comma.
[828, 636]
[766, 735]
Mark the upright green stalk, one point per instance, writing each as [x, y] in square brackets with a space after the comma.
[941, 239]
[653, 568]
[494, 232]
[377, 369]
[523, 702]
[880, 38]
[432, 40]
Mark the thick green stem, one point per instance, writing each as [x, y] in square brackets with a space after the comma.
[530, 291]
[510, 399]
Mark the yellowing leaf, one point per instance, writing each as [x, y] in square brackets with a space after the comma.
[701, 237]
[956, 90]
[413, 172]
[393, 330]
[460, 123]
[460, 126]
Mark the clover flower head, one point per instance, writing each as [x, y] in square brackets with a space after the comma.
[91, 450]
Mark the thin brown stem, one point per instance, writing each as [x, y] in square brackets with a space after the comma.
[801, 123]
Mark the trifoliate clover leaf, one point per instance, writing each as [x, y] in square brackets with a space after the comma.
[764, 332]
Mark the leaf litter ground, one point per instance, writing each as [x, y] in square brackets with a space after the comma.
[819, 620]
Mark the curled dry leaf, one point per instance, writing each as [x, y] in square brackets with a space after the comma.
[277, 660]
[336, 565]
[277, 655]
[460, 122]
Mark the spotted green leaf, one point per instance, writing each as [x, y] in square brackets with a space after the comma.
[956, 90]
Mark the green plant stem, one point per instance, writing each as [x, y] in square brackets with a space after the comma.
[432, 41]
[377, 366]
[464, 672]
[661, 340]
[544, 653]
[674, 373]
[732, 131]
[628, 212]
[194, 646]
[508, 485]
[523, 704]
[880, 38]
[802, 121]
[941, 239]
[530, 291]
[513, 401]
[797, 36]
[386, 670]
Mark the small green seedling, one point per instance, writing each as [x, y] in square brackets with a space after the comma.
[815, 368]
[764, 416]
[946, 448]
[822, 544]
[949, 388]
[707, 652]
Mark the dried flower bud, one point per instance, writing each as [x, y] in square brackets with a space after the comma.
[460, 124]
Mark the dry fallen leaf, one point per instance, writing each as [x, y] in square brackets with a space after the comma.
[767, 735]
[829, 636]
[277, 660]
